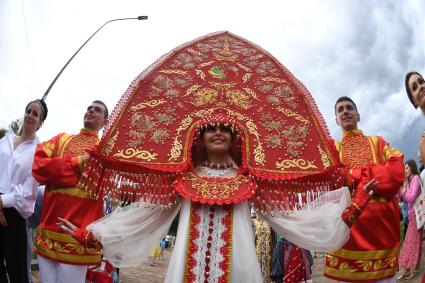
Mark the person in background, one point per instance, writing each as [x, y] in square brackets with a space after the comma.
[32, 224]
[18, 192]
[58, 164]
[290, 263]
[411, 252]
[405, 219]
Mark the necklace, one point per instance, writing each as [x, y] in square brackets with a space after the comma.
[216, 170]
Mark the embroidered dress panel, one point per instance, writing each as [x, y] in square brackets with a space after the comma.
[208, 244]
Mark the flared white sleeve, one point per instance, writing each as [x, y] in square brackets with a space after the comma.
[129, 234]
[317, 228]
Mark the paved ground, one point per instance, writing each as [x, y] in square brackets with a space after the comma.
[155, 274]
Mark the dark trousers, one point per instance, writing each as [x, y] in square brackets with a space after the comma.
[13, 248]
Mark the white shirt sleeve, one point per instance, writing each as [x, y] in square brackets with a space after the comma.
[320, 228]
[129, 234]
[22, 197]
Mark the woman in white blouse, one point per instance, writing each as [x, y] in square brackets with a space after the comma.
[18, 192]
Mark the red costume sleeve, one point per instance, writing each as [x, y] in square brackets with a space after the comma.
[50, 169]
[390, 173]
[360, 199]
[86, 238]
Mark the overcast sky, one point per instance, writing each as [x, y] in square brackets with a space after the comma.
[361, 49]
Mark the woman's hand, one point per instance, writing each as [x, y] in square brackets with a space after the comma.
[67, 226]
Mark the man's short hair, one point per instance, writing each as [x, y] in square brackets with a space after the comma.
[106, 114]
[345, 98]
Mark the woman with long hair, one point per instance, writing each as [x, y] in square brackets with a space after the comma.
[411, 251]
[18, 192]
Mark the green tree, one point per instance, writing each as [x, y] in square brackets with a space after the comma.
[2, 132]
[15, 125]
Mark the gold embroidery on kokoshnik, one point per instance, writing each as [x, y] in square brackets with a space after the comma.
[295, 163]
[324, 156]
[137, 153]
[151, 104]
[110, 144]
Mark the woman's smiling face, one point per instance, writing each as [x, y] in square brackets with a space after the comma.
[217, 139]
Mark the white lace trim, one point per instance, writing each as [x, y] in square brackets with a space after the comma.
[216, 243]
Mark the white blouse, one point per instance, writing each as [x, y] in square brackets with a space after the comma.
[18, 187]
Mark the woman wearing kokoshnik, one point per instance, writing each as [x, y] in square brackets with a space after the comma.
[192, 135]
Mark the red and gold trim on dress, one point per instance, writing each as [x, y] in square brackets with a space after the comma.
[362, 266]
[214, 190]
[73, 191]
[194, 245]
[64, 248]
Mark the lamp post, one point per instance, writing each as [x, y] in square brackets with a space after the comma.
[76, 52]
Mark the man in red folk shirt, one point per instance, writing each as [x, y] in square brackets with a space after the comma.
[370, 255]
[58, 164]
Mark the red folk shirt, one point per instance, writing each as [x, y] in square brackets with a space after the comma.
[57, 164]
[371, 252]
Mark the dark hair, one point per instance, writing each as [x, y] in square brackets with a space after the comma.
[106, 114]
[43, 108]
[345, 98]
[406, 84]
[413, 167]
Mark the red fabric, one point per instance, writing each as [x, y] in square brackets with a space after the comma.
[86, 238]
[295, 270]
[155, 124]
[94, 275]
[46, 168]
[359, 201]
[53, 167]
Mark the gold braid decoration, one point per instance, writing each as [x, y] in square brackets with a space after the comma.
[176, 150]
[290, 113]
[214, 190]
[192, 89]
[245, 68]
[263, 247]
[246, 77]
[178, 72]
[251, 92]
[194, 52]
[298, 163]
[201, 74]
[259, 155]
[110, 144]
[206, 64]
[152, 103]
[272, 79]
[222, 86]
[138, 153]
[255, 57]
[324, 156]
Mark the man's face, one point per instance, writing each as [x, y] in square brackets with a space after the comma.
[346, 115]
[94, 118]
